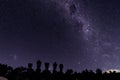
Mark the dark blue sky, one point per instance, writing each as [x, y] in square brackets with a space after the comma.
[80, 34]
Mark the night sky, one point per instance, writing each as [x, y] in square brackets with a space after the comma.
[78, 33]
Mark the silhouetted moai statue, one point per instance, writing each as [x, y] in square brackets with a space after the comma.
[54, 67]
[46, 66]
[46, 74]
[60, 73]
[54, 74]
[38, 70]
[30, 71]
[61, 68]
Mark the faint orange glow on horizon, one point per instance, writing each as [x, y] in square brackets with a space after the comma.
[113, 70]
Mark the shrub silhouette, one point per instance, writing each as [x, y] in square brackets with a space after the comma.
[23, 73]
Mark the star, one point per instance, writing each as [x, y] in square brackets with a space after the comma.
[78, 63]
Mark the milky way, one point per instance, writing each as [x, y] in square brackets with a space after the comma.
[78, 33]
[100, 48]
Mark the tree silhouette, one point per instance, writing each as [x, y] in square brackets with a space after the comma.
[23, 73]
